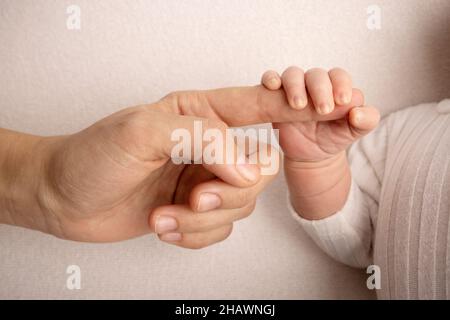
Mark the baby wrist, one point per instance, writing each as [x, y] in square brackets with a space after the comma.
[318, 190]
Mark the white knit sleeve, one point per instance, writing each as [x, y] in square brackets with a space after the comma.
[347, 235]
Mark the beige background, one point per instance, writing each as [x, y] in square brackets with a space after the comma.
[54, 81]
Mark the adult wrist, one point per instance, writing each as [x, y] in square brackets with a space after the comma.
[25, 192]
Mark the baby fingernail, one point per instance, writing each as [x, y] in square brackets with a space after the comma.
[208, 201]
[345, 98]
[165, 224]
[299, 103]
[273, 82]
[171, 237]
[325, 108]
[359, 117]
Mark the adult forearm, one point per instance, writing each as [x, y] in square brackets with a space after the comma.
[23, 180]
[318, 189]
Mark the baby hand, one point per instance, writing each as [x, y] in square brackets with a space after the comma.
[315, 163]
[320, 140]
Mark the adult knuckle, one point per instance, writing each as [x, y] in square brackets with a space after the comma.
[171, 97]
[247, 210]
[182, 101]
[242, 197]
[132, 130]
[136, 133]
[250, 207]
[132, 125]
[204, 222]
[228, 232]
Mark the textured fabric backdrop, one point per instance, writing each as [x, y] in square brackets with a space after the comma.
[54, 80]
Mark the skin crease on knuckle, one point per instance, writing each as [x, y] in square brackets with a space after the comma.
[243, 198]
[190, 103]
[175, 101]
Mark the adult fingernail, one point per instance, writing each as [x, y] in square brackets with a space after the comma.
[208, 201]
[249, 172]
[299, 103]
[171, 237]
[165, 224]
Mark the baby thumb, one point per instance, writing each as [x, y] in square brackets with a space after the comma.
[363, 120]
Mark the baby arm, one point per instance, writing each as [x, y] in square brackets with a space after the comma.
[347, 234]
[334, 209]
